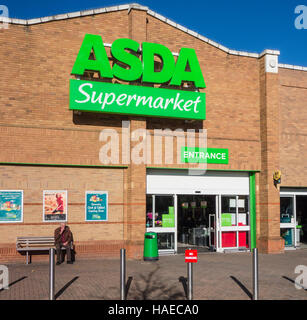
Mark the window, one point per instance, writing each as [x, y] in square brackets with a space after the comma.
[166, 241]
[160, 211]
[149, 212]
[164, 212]
[229, 211]
[286, 210]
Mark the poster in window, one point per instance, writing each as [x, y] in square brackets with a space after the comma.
[11, 206]
[96, 206]
[55, 205]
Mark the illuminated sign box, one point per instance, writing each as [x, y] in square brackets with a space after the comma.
[133, 61]
[203, 155]
[136, 100]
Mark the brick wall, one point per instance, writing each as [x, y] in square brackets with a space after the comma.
[33, 180]
[36, 120]
[293, 127]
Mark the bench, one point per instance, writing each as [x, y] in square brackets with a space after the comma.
[28, 244]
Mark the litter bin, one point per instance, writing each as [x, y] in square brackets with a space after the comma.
[151, 247]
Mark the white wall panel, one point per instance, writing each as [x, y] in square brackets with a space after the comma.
[180, 182]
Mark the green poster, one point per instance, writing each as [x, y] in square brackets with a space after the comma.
[171, 210]
[11, 206]
[168, 220]
[226, 220]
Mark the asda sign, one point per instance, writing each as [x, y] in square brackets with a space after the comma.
[204, 155]
[131, 65]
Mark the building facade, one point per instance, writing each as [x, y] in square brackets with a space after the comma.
[255, 126]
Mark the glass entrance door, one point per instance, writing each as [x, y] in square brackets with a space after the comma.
[233, 223]
[196, 222]
[288, 220]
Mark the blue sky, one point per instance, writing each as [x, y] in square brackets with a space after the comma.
[243, 25]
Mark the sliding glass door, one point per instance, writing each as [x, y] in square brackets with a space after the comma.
[233, 223]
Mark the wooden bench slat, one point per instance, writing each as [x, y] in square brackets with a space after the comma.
[28, 244]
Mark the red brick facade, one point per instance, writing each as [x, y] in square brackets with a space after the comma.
[257, 115]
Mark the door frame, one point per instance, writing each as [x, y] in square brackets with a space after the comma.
[164, 230]
[236, 228]
[290, 225]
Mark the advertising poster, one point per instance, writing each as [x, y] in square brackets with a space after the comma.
[55, 205]
[96, 206]
[11, 206]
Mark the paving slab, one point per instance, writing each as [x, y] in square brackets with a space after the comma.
[217, 276]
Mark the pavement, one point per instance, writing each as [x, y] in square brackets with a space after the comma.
[217, 276]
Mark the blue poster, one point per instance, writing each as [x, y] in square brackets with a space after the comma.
[96, 206]
[11, 205]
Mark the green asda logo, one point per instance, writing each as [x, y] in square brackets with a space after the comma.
[203, 155]
[129, 67]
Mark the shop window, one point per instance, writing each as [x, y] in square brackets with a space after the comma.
[288, 235]
[286, 210]
[243, 211]
[229, 239]
[164, 212]
[229, 211]
[149, 212]
[160, 211]
[166, 241]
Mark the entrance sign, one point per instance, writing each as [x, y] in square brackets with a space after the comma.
[190, 256]
[203, 155]
[54, 205]
[137, 100]
[11, 206]
[96, 206]
[93, 57]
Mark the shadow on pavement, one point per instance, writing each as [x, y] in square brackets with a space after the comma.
[65, 287]
[291, 280]
[128, 285]
[150, 286]
[241, 285]
[184, 282]
[12, 283]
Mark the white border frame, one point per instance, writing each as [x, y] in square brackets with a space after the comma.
[107, 204]
[161, 229]
[236, 228]
[19, 221]
[66, 206]
[290, 225]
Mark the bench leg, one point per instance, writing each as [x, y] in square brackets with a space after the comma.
[27, 259]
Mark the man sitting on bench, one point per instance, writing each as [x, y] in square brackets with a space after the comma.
[63, 238]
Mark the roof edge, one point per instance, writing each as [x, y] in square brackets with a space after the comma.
[153, 14]
[292, 67]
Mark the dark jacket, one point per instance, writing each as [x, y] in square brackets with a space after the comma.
[67, 235]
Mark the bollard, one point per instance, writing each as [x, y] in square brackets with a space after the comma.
[51, 273]
[190, 281]
[255, 274]
[122, 274]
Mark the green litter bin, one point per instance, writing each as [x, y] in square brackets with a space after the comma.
[151, 247]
